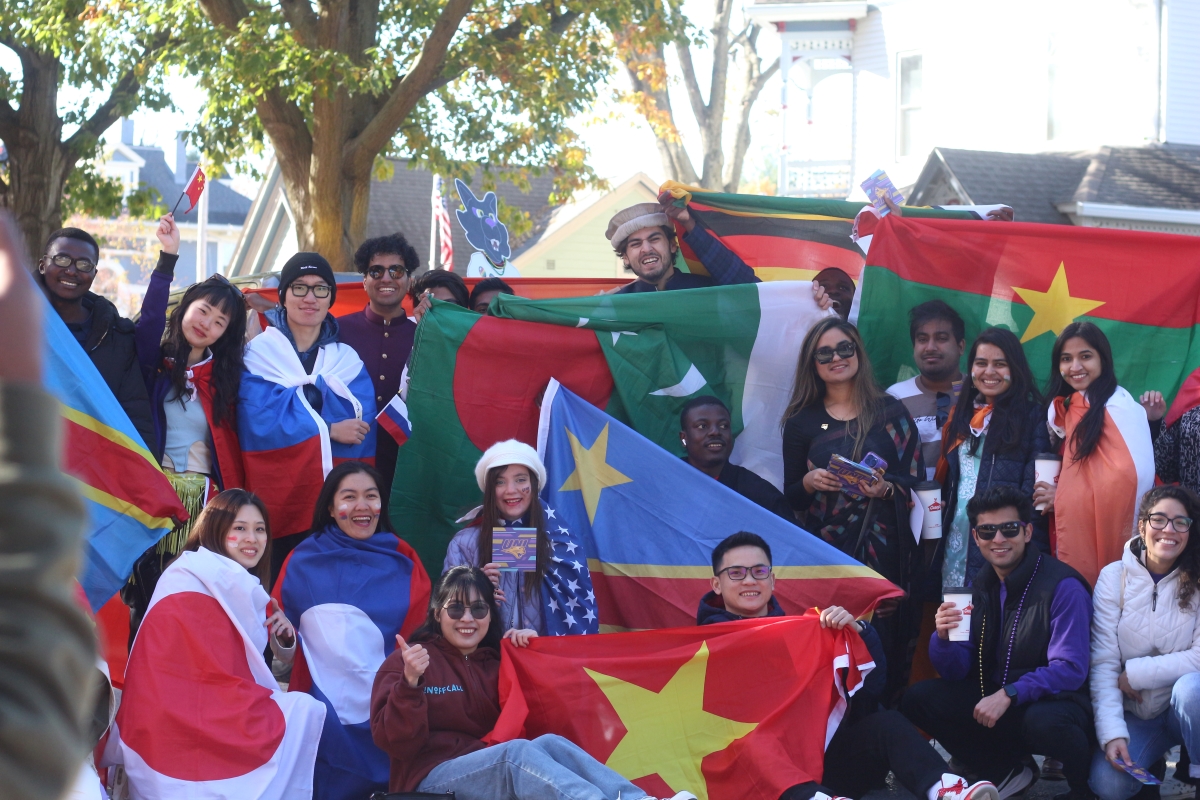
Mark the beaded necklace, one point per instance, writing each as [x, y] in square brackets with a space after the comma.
[1012, 636]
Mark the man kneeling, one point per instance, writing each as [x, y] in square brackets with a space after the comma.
[870, 741]
[1019, 685]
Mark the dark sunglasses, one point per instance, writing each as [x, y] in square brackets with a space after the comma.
[760, 572]
[843, 350]
[396, 271]
[478, 610]
[83, 266]
[1160, 521]
[1010, 530]
[301, 289]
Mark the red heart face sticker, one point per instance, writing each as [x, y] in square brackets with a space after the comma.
[191, 708]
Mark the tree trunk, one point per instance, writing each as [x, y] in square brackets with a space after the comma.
[38, 162]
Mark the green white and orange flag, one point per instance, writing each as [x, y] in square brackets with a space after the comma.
[1142, 289]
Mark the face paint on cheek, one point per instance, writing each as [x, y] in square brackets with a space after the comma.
[376, 507]
[524, 490]
[343, 511]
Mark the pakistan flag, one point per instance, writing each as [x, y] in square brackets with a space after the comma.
[477, 380]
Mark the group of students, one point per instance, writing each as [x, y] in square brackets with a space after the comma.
[1032, 637]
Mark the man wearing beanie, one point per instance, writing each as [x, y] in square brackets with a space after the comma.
[296, 374]
[644, 238]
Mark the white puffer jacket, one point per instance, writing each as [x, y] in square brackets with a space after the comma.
[1138, 627]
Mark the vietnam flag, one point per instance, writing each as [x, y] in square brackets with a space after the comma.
[732, 711]
[1142, 289]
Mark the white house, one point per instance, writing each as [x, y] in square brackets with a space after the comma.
[1021, 76]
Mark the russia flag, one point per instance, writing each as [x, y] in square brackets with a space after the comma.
[394, 420]
[348, 598]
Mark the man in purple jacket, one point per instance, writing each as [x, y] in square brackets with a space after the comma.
[1019, 685]
[382, 333]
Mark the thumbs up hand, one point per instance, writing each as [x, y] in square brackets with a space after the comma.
[416, 660]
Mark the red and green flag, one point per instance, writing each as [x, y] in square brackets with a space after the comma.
[733, 711]
[1142, 289]
[476, 380]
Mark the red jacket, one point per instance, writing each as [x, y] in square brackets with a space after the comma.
[445, 716]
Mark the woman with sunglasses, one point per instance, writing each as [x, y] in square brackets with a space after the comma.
[988, 440]
[435, 699]
[117, 346]
[510, 475]
[350, 588]
[837, 409]
[1102, 434]
[1145, 676]
[305, 400]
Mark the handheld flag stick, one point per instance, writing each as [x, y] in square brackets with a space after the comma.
[193, 190]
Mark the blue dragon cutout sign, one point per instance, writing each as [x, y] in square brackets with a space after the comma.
[486, 233]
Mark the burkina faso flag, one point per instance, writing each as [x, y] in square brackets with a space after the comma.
[733, 711]
[782, 238]
[476, 380]
[1142, 289]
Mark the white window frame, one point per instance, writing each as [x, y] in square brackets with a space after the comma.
[901, 107]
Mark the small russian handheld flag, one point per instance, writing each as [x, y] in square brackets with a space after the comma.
[394, 419]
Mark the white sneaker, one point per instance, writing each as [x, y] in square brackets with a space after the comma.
[1015, 782]
[955, 788]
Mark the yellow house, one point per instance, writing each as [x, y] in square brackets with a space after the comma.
[573, 244]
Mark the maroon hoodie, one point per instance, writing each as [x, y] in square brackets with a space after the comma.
[445, 716]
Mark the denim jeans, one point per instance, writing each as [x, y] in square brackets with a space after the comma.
[547, 768]
[1149, 739]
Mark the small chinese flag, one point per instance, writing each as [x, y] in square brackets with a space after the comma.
[195, 188]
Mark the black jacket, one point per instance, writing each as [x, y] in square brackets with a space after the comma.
[1012, 468]
[712, 610]
[755, 489]
[112, 347]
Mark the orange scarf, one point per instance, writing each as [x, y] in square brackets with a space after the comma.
[979, 425]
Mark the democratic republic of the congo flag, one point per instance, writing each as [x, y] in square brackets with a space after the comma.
[649, 522]
[130, 503]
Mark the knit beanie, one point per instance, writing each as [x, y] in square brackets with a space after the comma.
[502, 454]
[307, 264]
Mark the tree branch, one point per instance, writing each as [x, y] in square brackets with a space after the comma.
[755, 78]
[699, 109]
[676, 161]
[302, 19]
[360, 151]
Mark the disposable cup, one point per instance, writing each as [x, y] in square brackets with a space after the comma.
[930, 495]
[1046, 467]
[962, 601]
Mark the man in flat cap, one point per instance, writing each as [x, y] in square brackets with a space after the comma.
[644, 238]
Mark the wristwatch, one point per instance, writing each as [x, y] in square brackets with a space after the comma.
[1011, 691]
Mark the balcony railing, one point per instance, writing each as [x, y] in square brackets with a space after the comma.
[827, 179]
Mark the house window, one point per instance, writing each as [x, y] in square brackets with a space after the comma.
[908, 123]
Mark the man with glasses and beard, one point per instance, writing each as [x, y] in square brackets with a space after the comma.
[1018, 685]
[939, 339]
[382, 334]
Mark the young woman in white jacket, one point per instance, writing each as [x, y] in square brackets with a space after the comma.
[1145, 676]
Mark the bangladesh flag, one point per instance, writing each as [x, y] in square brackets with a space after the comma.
[1141, 289]
[478, 380]
[782, 238]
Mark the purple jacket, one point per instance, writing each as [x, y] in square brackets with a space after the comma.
[151, 325]
[1068, 653]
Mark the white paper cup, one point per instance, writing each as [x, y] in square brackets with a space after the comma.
[1046, 467]
[962, 601]
[929, 493]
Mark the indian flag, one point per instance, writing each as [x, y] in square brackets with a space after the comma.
[478, 380]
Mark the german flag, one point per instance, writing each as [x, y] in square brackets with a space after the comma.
[782, 238]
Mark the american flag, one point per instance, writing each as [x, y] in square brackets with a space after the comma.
[569, 604]
[441, 219]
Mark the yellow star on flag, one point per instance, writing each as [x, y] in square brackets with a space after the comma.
[592, 474]
[1055, 308]
[669, 733]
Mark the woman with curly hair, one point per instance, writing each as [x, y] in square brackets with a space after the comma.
[1145, 676]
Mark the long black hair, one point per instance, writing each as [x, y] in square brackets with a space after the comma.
[456, 584]
[1188, 562]
[321, 516]
[489, 518]
[1012, 409]
[1087, 434]
[226, 351]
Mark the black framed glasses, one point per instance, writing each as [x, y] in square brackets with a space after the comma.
[1160, 522]
[1009, 530]
[943, 408]
[301, 289]
[396, 271]
[760, 572]
[479, 610]
[843, 350]
[82, 265]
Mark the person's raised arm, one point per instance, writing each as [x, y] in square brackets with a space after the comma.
[152, 321]
[46, 644]
[724, 266]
